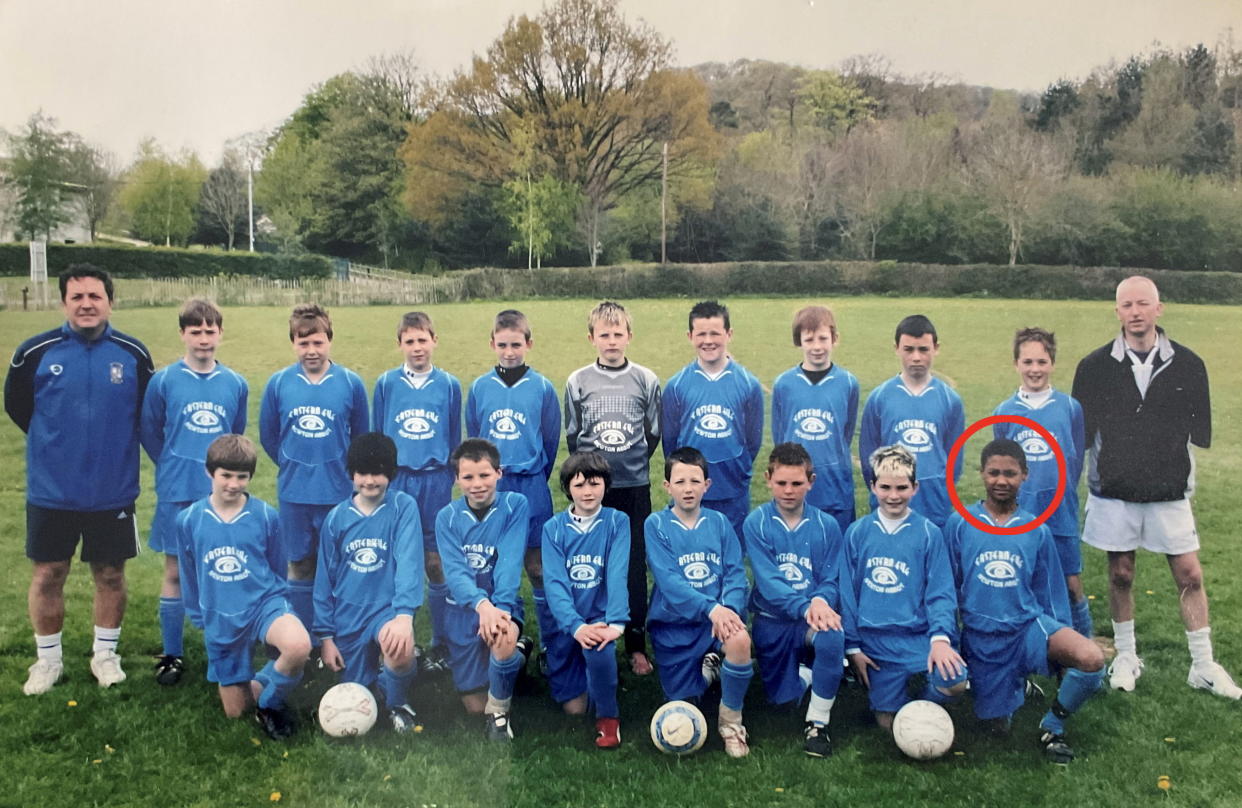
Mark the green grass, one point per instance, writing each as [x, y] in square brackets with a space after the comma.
[138, 744]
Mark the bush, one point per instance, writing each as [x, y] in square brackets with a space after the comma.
[164, 262]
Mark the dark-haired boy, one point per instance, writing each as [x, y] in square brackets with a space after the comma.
[515, 408]
[918, 411]
[481, 537]
[188, 404]
[232, 580]
[795, 554]
[586, 552]
[715, 405]
[419, 407]
[698, 597]
[1015, 613]
[310, 411]
[369, 582]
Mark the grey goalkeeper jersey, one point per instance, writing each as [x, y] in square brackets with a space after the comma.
[616, 412]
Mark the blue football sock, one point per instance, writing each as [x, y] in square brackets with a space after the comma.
[1076, 688]
[734, 679]
[276, 686]
[547, 623]
[437, 600]
[501, 674]
[826, 670]
[172, 626]
[302, 601]
[601, 676]
[1081, 613]
[395, 685]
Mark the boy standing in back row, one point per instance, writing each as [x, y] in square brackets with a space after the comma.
[613, 406]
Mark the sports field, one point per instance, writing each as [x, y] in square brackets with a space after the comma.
[140, 744]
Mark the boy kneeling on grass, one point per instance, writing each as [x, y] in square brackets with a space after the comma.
[586, 551]
[233, 582]
[369, 583]
[698, 597]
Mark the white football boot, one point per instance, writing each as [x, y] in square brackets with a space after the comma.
[1214, 678]
[106, 666]
[1125, 671]
[43, 674]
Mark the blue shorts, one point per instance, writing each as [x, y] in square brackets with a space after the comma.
[231, 663]
[1069, 551]
[468, 655]
[535, 488]
[163, 535]
[782, 645]
[735, 510]
[900, 655]
[299, 528]
[360, 650]
[567, 667]
[679, 650]
[432, 490]
[999, 664]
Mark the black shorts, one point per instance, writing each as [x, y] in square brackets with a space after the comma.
[107, 537]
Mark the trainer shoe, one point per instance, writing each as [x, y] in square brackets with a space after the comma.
[278, 722]
[499, 727]
[607, 733]
[817, 744]
[43, 674]
[1214, 678]
[404, 719]
[168, 669]
[711, 667]
[106, 666]
[432, 661]
[1125, 671]
[1055, 747]
[734, 737]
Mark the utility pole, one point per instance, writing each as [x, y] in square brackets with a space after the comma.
[664, 208]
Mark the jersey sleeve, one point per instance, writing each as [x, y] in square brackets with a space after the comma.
[329, 561]
[845, 586]
[359, 411]
[556, 585]
[683, 600]
[379, 403]
[769, 579]
[454, 413]
[573, 416]
[670, 416]
[652, 417]
[473, 416]
[1080, 392]
[954, 426]
[753, 408]
[617, 571]
[939, 595]
[851, 412]
[188, 570]
[408, 555]
[457, 574]
[550, 426]
[1201, 409]
[276, 555]
[869, 436]
[510, 551]
[19, 390]
[1048, 581]
[151, 427]
[735, 587]
[269, 420]
[243, 406]
[828, 563]
[1077, 457]
[780, 427]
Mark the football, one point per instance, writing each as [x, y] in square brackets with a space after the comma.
[678, 728]
[923, 730]
[347, 709]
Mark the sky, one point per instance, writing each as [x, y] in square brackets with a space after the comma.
[195, 73]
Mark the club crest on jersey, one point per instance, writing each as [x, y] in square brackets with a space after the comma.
[507, 424]
[611, 437]
[792, 572]
[56, 370]
[227, 564]
[884, 575]
[1033, 446]
[416, 424]
[998, 568]
[713, 421]
[116, 372]
[365, 554]
[916, 434]
[812, 424]
[312, 422]
[204, 417]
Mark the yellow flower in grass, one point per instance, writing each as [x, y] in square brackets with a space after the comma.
[276, 795]
[1163, 782]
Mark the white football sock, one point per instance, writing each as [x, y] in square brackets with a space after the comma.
[106, 639]
[47, 646]
[819, 711]
[1200, 642]
[1123, 637]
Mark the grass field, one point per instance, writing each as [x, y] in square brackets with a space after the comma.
[138, 744]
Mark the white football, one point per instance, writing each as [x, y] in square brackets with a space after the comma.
[347, 709]
[923, 730]
[678, 728]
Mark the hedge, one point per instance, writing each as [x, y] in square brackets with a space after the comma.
[165, 262]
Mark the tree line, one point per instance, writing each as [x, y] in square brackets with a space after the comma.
[574, 139]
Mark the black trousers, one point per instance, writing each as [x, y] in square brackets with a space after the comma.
[635, 502]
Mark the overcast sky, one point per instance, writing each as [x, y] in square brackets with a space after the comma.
[194, 73]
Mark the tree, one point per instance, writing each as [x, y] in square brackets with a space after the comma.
[160, 194]
[37, 173]
[223, 199]
[95, 173]
[595, 91]
[832, 104]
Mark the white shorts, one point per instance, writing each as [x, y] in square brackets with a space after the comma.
[1119, 526]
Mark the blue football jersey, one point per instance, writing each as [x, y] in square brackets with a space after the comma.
[584, 570]
[306, 427]
[424, 422]
[694, 568]
[182, 413]
[1061, 415]
[482, 558]
[792, 565]
[524, 421]
[927, 424]
[821, 417]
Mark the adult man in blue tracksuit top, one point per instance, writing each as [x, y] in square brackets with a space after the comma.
[715, 405]
[76, 391]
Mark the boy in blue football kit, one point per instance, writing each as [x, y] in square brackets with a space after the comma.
[233, 583]
[369, 583]
[586, 551]
[310, 411]
[1014, 609]
[481, 538]
[188, 404]
[795, 554]
[920, 412]
[419, 407]
[897, 598]
[516, 409]
[613, 406]
[815, 404]
[698, 597]
[1035, 356]
[715, 405]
